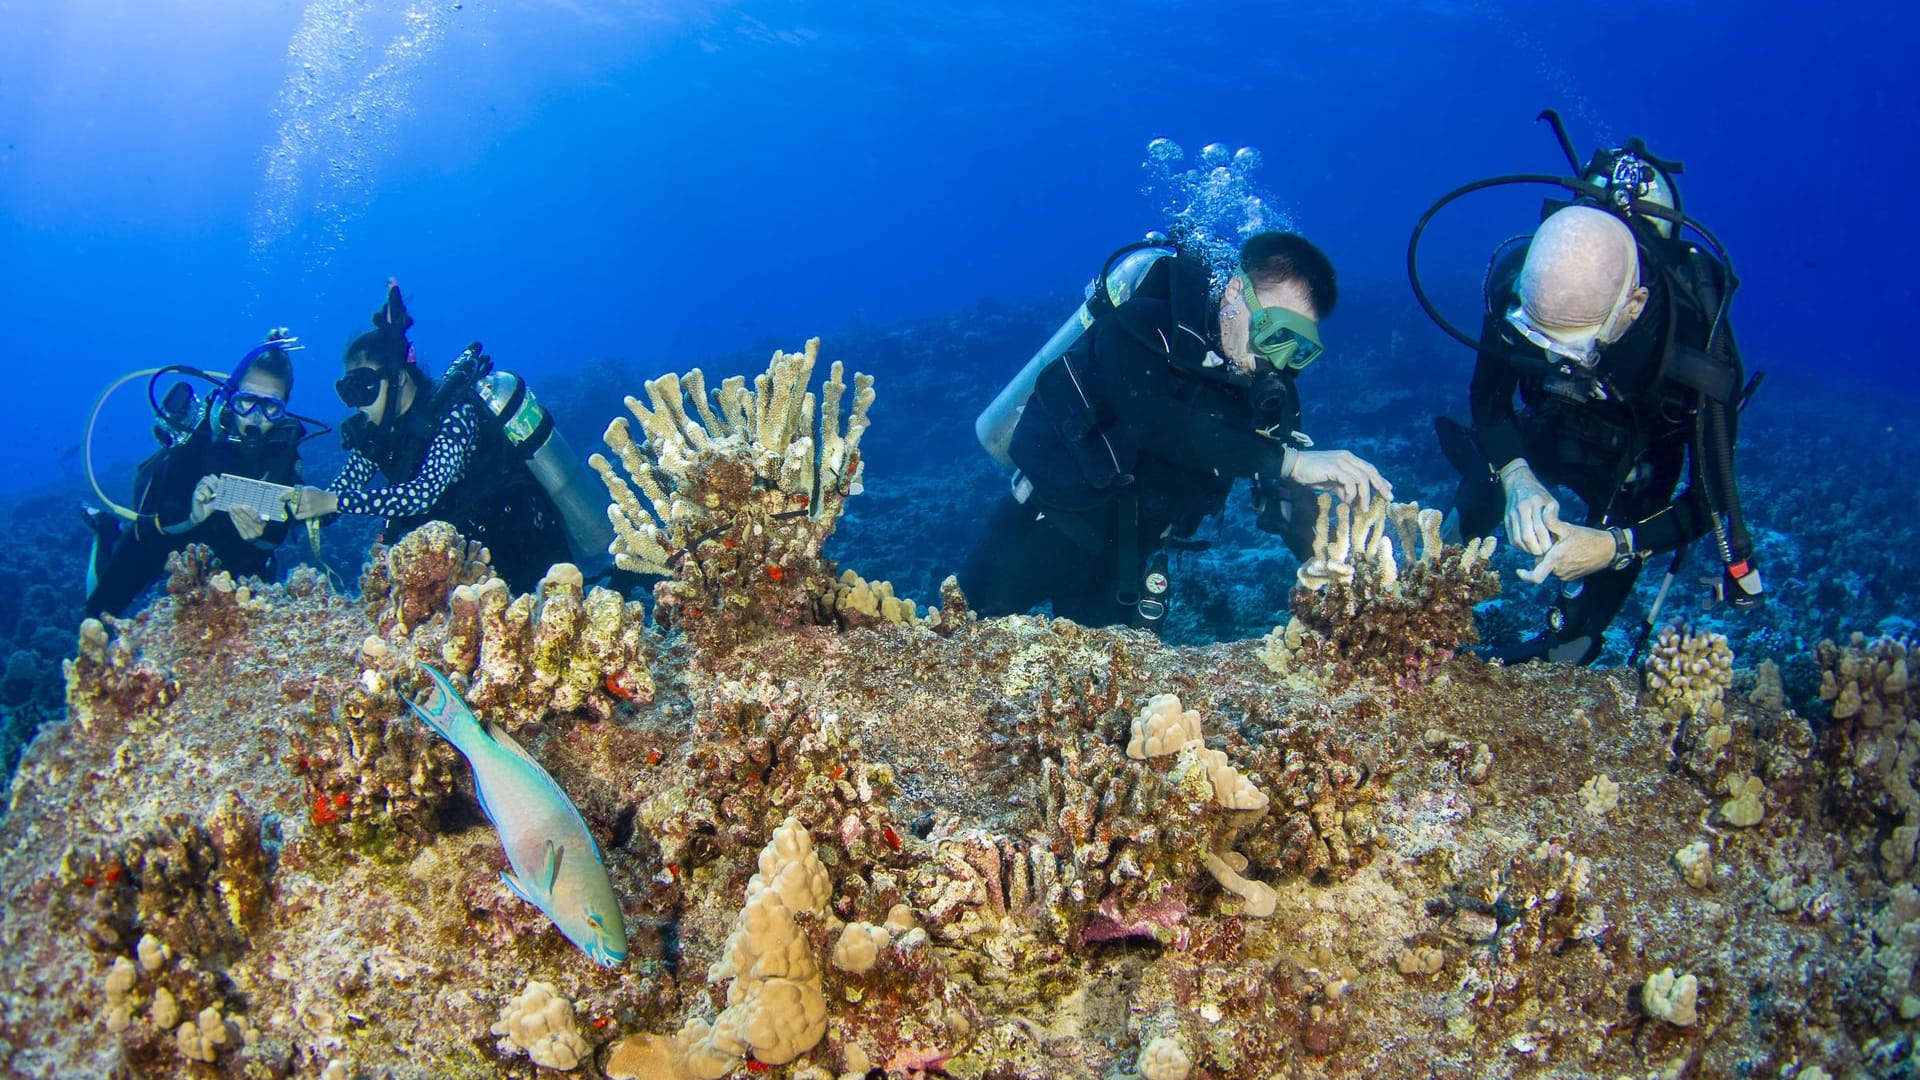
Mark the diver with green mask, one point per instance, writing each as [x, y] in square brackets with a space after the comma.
[1131, 426]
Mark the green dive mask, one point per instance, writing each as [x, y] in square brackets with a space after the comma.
[1284, 337]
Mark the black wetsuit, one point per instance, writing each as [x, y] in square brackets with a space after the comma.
[452, 463]
[127, 560]
[1621, 437]
[1134, 435]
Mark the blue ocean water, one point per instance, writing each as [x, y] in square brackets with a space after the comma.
[665, 181]
[662, 184]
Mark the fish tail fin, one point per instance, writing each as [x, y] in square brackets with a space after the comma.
[449, 718]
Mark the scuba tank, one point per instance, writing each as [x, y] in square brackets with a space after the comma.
[530, 431]
[1116, 282]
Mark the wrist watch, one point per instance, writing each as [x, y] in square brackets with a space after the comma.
[1622, 548]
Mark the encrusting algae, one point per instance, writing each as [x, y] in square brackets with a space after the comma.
[851, 840]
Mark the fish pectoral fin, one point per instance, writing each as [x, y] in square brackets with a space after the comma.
[514, 886]
[550, 871]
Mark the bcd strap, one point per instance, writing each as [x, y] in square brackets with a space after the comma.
[1699, 370]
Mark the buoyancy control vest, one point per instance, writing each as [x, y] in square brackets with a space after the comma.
[515, 430]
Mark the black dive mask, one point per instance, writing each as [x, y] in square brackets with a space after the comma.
[360, 387]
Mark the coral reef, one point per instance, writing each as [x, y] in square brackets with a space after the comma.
[1365, 607]
[1013, 849]
[740, 496]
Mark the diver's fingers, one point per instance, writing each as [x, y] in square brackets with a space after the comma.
[1543, 569]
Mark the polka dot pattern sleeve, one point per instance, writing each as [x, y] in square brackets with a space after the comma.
[444, 465]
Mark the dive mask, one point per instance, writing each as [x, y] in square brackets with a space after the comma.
[266, 406]
[360, 387]
[1283, 337]
[1582, 351]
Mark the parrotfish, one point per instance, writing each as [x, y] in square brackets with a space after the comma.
[556, 864]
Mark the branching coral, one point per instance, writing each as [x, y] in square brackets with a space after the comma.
[209, 605]
[111, 687]
[1874, 740]
[736, 498]
[200, 889]
[1364, 608]
[372, 775]
[1688, 674]
[556, 649]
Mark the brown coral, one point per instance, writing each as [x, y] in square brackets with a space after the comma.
[1365, 608]
[409, 583]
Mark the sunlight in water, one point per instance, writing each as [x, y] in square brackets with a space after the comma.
[351, 70]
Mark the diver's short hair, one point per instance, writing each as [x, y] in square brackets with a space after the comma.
[1271, 258]
[275, 364]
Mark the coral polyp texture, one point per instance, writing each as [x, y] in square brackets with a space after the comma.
[850, 843]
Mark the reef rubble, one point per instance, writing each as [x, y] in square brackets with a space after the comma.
[859, 838]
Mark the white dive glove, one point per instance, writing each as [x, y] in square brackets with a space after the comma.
[1339, 472]
[1532, 511]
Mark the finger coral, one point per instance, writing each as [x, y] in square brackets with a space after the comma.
[1366, 607]
[735, 498]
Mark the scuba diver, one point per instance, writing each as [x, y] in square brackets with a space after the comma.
[474, 449]
[1610, 329]
[1126, 436]
[242, 428]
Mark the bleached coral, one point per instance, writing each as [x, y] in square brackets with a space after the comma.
[540, 1023]
[1695, 863]
[1162, 727]
[775, 1010]
[1747, 805]
[768, 427]
[1364, 605]
[859, 947]
[1599, 795]
[1672, 998]
[1164, 1059]
[1688, 674]
[200, 1039]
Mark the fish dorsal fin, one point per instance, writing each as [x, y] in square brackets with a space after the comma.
[507, 743]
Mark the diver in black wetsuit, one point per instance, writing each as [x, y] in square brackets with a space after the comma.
[1136, 433]
[245, 430]
[1615, 341]
[442, 452]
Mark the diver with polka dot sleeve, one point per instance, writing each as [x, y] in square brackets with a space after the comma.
[473, 448]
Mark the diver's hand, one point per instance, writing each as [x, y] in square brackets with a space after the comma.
[1576, 552]
[1342, 473]
[247, 524]
[202, 507]
[315, 503]
[1532, 511]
